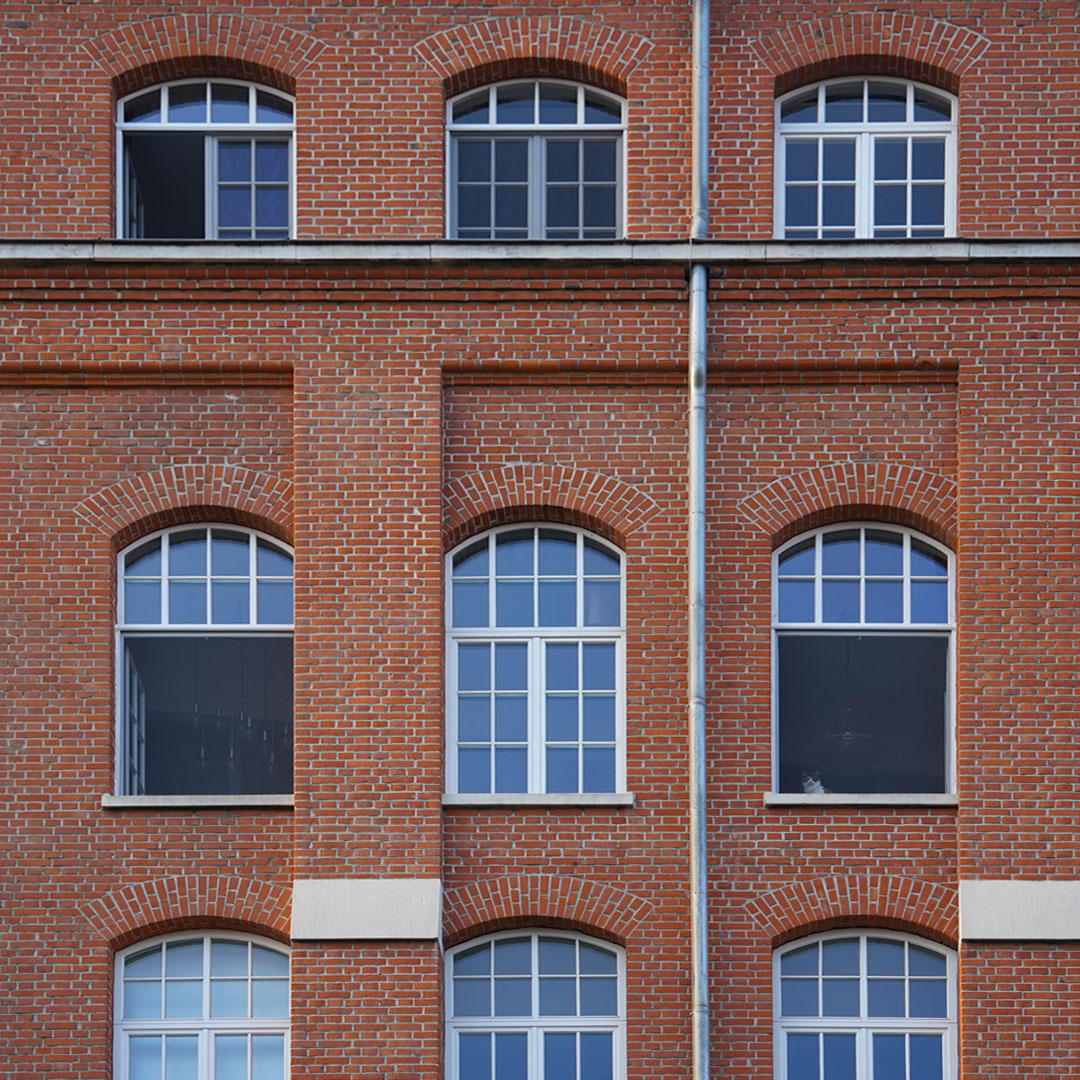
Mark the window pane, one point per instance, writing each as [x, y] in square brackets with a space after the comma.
[268, 1057]
[839, 601]
[890, 204]
[144, 965]
[602, 603]
[840, 552]
[470, 603]
[840, 997]
[889, 1058]
[511, 161]
[511, 764]
[229, 601]
[511, 1056]
[187, 602]
[560, 1055]
[800, 206]
[268, 962]
[557, 956]
[142, 1000]
[890, 159]
[598, 718]
[844, 103]
[598, 768]
[187, 553]
[514, 603]
[840, 957]
[275, 601]
[839, 1055]
[884, 601]
[187, 104]
[474, 163]
[884, 957]
[472, 561]
[230, 1057]
[511, 718]
[144, 109]
[513, 997]
[929, 602]
[928, 204]
[886, 103]
[926, 1057]
[234, 208]
[595, 961]
[562, 160]
[272, 207]
[181, 1057]
[558, 104]
[802, 1058]
[798, 997]
[885, 997]
[795, 601]
[228, 998]
[474, 1056]
[598, 207]
[600, 110]
[925, 962]
[928, 159]
[558, 603]
[474, 207]
[472, 109]
[474, 718]
[229, 104]
[270, 997]
[561, 663]
[515, 104]
[598, 667]
[800, 961]
[144, 1057]
[557, 997]
[472, 997]
[932, 107]
[234, 161]
[511, 667]
[596, 1056]
[474, 769]
[562, 769]
[801, 159]
[838, 206]
[927, 561]
[599, 997]
[474, 667]
[865, 711]
[884, 552]
[142, 602]
[562, 718]
[599, 161]
[183, 999]
[513, 957]
[514, 553]
[270, 562]
[801, 109]
[599, 560]
[272, 109]
[562, 207]
[927, 997]
[838, 159]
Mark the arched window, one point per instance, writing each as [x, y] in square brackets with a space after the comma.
[205, 159]
[202, 1006]
[205, 646]
[865, 158]
[863, 618]
[534, 1006]
[535, 160]
[873, 1005]
[536, 657]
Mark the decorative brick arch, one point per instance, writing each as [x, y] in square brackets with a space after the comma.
[148, 908]
[870, 43]
[481, 52]
[499, 903]
[524, 492]
[870, 900]
[189, 492]
[849, 490]
[175, 46]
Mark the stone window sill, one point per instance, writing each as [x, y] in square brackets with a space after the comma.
[195, 802]
[773, 798]
[541, 800]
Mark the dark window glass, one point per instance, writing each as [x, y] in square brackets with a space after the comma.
[862, 712]
[166, 191]
[218, 713]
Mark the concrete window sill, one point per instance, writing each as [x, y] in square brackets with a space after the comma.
[195, 802]
[773, 798]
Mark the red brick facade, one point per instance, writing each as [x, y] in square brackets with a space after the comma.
[374, 408]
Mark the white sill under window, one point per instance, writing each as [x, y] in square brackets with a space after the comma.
[194, 802]
[774, 798]
[541, 799]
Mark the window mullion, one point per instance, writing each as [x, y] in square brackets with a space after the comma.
[536, 194]
[535, 750]
[210, 181]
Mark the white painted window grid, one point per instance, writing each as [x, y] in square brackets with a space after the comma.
[535, 640]
[534, 1026]
[859, 181]
[856, 1033]
[906, 577]
[166, 117]
[130, 694]
[193, 1043]
[534, 136]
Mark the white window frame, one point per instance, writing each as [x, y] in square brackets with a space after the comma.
[536, 134]
[864, 1026]
[819, 626]
[124, 629]
[864, 133]
[212, 132]
[535, 638]
[204, 1027]
[535, 1025]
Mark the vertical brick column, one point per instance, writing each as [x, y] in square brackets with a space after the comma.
[368, 699]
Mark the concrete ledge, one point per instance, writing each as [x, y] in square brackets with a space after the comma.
[540, 800]
[1006, 910]
[366, 909]
[193, 802]
[775, 798]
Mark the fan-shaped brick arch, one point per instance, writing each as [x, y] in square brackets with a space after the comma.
[148, 908]
[186, 492]
[889, 902]
[165, 47]
[482, 500]
[882, 491]
[511, 47]
[879, 42]
[500, 903]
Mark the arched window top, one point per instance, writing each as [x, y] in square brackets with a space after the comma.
[868, 102]
[865, 159]
[202, 1005]
[209, 103]
[866, 1004]
[206, 576]
[519, 999]
[538, 576]
[536, 103]
[870, 575]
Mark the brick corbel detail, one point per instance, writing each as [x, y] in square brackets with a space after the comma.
[481, 500]
[187, 492]
[871, 900]
[161, 42]
[497, 46]
[926, 45]
[881, 491]
[148, 908]
[515, 901]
